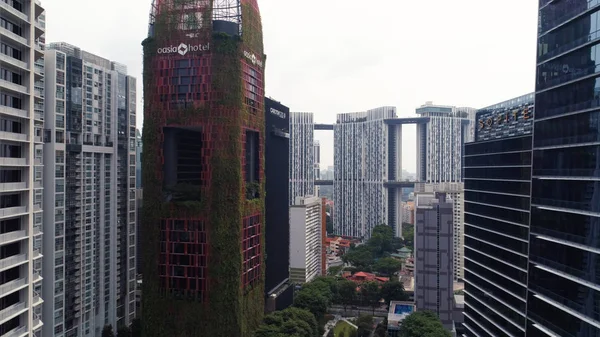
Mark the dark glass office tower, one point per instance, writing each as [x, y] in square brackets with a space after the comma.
[497, 178]
[564, 268]
[277, 227]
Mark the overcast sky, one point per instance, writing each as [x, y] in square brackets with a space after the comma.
[334, 56]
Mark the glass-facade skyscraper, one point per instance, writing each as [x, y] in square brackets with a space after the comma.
[564, 252]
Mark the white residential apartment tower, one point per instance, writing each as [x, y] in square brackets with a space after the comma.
[90, 157]
[361, 167]
[302, 155]
[306, 244]
[440, 144]
[21, 152]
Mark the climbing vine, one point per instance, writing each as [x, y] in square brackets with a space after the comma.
[230, 309]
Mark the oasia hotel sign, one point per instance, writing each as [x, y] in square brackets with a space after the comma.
[183, 49]
[503, 123]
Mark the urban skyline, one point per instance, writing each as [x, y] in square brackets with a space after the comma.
[406, 84]
[71, 233]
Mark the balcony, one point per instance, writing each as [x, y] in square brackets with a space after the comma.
[37, 230]
[13, 61]
[37, 322]
[21, 331]
[38, 8]
[16, 88]
[14, 37]
[12, 261]
[37, 254]
[13, 161]
[12, 237]
[15, 137]
[12, 13]
[36, 277]
[13, 211]
[39, 93]
[37, 299]
[13, 187]
[12, 286]
[12, 311]
[12, 111]
[38, 184]
[40, 28]
[39, 115]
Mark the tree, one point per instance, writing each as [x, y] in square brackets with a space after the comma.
[123, 331]
[330, 333]
[393, 291]
[381, 239]
[370, 294]
[408, 233]
[107, 331]
[136, 328]
[313, 301]
[347, 290]
[381, 329]
[360, 257]
[341, 334]
[289, 322]
[423, 324]
[387, 265]
[365, 325]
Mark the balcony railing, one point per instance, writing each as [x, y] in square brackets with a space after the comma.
[7, 187]
[13, 61]
[12, 111]
[14, 37]
[13, 236]
[12, 260]
[21, 330]
[14, 284]
[11, 311]
[13, 161]
[12, 211]
[13, 11]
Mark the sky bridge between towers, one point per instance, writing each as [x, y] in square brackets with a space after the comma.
[390, 121]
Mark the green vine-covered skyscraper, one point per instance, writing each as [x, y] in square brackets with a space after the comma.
[203, 169]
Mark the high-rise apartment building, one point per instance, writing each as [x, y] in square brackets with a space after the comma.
[440, 142]
[203, 169]
[21, 154]
[564, 246]
[497, 200]
[440, 146]
[361, 167]
[277, 232]
[434, 285]
[302, 155]
[306, 243]
[90, 180]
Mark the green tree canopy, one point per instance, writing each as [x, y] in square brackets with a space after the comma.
[370, 294]
[365, 325]
[393, 291]
[387, 265]
[360, 257]
[289, 322]
[347, 292]
[313, 301]
[381, 240]
[423, 324]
